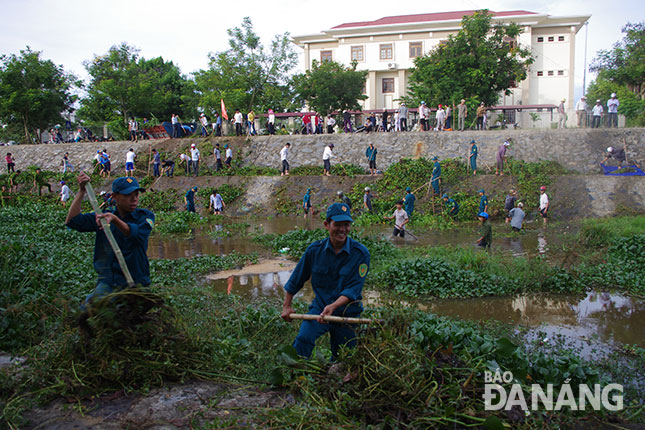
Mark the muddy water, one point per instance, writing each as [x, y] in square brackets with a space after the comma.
[531, 242]
[611, 319]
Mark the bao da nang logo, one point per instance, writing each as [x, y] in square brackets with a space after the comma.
[496, 396]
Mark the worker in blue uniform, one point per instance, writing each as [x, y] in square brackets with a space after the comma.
[451, 204]
[483, 201]
[189, 199]
[436, 175]
[337, 267]
[131, 227]
[409, 201]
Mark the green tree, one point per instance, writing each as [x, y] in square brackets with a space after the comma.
[34, 93]
[330, 86]
[477, 64]
[631, 105]
[247, 75]
[124, 84]
[624, 64]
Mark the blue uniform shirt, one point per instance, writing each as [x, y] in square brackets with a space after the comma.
[473, 150]
[370, 153]
[190, 196]
[306, 200]
[453, 206]
[134, 247]
[409, 203]
[436, 171]
[483, 203]
[332, 275]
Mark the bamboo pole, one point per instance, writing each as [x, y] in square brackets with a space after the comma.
[332, 318]
[110, 236]
[149, 158]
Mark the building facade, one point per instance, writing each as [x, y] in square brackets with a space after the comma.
[387, 47]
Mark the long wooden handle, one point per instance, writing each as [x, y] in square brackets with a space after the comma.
[332, 318]
[110, 236]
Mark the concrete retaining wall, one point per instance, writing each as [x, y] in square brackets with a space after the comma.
[579, 150]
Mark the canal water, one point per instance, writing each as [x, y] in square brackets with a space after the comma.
[591, 318]
[531, 242]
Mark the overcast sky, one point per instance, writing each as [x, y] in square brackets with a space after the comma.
[72, 31]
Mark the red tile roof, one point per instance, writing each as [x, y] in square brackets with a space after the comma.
[426, 17]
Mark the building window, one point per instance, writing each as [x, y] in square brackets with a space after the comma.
[510, 42]
[415, 49]
[325, 56]
[560, 38]
[540, 73]
[388, 85]
[357, 53]
[551, 39]
[560, 72]
[385, 51]
[540, 39]
[550, 73]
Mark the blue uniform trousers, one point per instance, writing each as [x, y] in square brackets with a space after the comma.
[435, 185]
[340, 334]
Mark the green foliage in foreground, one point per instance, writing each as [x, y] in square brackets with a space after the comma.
[416, 371]
[420, 371]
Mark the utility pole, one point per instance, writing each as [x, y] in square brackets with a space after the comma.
[584, 73]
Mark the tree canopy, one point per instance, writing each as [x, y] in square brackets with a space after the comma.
[34, 93]
[477, 64]
[621, 70]
[122, 84]
[247, 76]
[624, 64]
[330, 86]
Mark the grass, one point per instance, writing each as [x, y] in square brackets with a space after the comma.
[600, 232]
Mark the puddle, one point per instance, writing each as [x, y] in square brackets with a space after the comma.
[263, 267]
[608, 318]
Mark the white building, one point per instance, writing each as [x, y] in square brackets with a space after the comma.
[388, 46]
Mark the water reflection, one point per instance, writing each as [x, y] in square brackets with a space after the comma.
[203, 243]
[611, 318]
[542, 245]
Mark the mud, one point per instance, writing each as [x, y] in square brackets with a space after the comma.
[183, 406]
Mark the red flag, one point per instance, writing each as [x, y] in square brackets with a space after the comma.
[224, 114]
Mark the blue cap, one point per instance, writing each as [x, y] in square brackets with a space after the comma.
[435, 158]
[126, 185]
[472, 141]
[481, 191]
[62, 182]
[445, 196]
[483, 215]
[339, 212]
[408, 189]
[194, 188]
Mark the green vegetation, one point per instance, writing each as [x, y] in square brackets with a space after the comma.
[34, 93]
[621, 71]
[531, 176]
[600, 232]
[476, 64]
[330, 86]
[415, 370]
